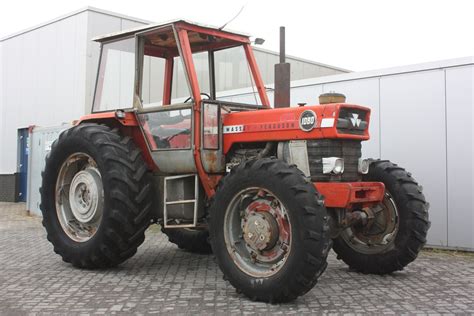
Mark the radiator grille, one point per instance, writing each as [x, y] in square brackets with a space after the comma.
[349, 150]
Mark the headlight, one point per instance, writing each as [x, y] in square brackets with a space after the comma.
[333, 165]
[364, 166]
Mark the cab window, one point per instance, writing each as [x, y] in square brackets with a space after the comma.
[115, 80]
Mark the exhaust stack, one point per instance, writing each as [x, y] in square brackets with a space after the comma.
[282, 76]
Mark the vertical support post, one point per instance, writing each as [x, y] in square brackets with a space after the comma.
[256, 76]
[212, 76]
[168, 81]
[187, 55]
[282, 76]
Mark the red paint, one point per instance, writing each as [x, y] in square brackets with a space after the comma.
[127, 126]
[129, 120]
[283, 124]
[189, 64]
[346, 194]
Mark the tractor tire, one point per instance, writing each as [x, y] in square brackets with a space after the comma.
[192, 240]
[404, 209]
[269, 230]
[95, 196]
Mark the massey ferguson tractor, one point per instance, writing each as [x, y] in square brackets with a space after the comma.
[269, 191]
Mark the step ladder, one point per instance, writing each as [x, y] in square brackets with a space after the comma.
[166, 190]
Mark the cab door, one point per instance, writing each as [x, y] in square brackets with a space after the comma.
[213, 160]
[165, 106]
[169, 133]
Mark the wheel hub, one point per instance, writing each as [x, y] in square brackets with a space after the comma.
[379, 233]
[260, 231]
[85, 196]
[79, 197]
[257, 232]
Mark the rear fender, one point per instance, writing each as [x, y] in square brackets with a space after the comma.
[128, 126]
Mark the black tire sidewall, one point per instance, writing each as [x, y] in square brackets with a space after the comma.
[123, 222]
[413, 223]
[296, 260]
[75, 144]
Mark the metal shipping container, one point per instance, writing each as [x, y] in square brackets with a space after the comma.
[41, 140]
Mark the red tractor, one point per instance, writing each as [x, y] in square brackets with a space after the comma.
[268, 191]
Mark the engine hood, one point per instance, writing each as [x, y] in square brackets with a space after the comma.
[337, 120]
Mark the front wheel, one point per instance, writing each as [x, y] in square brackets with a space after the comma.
[269, 230]
[398, 227]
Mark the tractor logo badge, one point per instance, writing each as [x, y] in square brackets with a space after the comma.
[355, 120]
[307, 120]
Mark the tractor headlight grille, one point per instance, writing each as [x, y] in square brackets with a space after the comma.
[348, 150]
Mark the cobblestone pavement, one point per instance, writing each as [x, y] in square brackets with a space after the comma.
[160, 278]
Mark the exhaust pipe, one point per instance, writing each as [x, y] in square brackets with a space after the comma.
[282, 76]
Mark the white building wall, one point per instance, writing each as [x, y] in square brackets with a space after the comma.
[413, 135]
[460, 155]
[422, 120]
[43, 80]
[48, 74]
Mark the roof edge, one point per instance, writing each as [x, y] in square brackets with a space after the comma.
[389, 71]
[119, 15]
[146, 27]
[70, 14]
[301, 59]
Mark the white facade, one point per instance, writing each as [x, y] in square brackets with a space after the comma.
[422, 120]
[47, 75]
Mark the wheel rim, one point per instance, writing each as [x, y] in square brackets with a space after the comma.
[79, 197]
[379, 234]
[257, 232]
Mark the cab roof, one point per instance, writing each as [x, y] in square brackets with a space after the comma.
[182, 23]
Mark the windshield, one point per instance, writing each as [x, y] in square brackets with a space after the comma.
[232, 76]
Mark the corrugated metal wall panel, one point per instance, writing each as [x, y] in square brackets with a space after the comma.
[460, 140]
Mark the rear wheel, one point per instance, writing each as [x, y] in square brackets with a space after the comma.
[397, 227]
[95, 197]
[193, 240]
[269, 230]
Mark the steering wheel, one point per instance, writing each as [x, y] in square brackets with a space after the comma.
[202, 93]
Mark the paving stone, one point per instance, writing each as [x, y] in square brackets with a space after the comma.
[161, 279]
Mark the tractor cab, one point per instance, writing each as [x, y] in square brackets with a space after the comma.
[173, 76]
